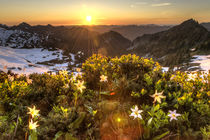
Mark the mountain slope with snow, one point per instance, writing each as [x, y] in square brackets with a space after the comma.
[19, 39]
[33, 60]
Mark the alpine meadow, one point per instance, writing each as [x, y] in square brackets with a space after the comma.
[104, 70]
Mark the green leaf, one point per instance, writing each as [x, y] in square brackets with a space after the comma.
[58, 135]
[148, 79]
[78, 121]
[146, 133]
[161, 136]
[156, 107]
[32, 136]
[69, 137]
[149, 121]
[1, 108]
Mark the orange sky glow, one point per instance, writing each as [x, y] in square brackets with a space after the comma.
[107, 12]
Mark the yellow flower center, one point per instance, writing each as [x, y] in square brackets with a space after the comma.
[136, 113]
[156, 96]
[173, 115]
[32, 112]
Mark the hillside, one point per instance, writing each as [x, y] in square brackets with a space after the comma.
[125, 98]
[175, 45]
[27, 49]
[206, 25]
[71, 40]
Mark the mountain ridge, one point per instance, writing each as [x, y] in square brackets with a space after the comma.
[71, 40]
[170, 47]
[173, 45]
[129, 31]
[206, 25]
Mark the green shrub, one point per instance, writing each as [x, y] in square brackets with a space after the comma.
[105, 105]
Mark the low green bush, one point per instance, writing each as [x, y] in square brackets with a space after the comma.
[112, 98]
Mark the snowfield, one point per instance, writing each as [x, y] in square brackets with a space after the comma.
[203, 61]
[18, 38]
[39, 60]
[32, 60]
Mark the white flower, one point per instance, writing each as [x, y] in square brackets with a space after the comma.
[173, 115]
[53, 73]
[136, 113]
[63, 72]
[33, 111]
[18, 76]
[78, 69]
[157, 96]
[66, 86]
[78, 74]
[103, 78]
[191, 76]
[172, 77]
[80, 85]
[29, 81]
[11, 78]
[74, 78]
[32, 125]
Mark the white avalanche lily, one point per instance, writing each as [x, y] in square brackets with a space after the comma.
[191, 76]
[80, 85]
[103, 78]
[136, 113]
[173, 115]
[158, 96]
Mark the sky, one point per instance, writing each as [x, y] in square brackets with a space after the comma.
[103, 12]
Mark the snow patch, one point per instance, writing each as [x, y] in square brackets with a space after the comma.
[203, 61]
[28, 61]
[18, 38]
[165, 69]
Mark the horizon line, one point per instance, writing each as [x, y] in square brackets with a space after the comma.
[63, 24]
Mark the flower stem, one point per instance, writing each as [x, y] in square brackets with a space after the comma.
[75, 101]
[139, 128]
[100, 93]
[178, 130]
[26, 134]
[15, 128]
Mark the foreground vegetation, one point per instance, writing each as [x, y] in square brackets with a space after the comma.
[126, 98]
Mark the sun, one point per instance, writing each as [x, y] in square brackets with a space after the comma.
[88, 19]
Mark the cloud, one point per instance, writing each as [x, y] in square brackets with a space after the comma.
[132, 6]
[137, 4]
[160, 4]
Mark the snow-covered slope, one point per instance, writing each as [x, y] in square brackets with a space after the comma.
[203, 62]
[197, 63]
[34, 60]
[19, 39]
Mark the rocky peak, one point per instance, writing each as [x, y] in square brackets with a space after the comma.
[24, 25]
[190, 24]
[4, 26]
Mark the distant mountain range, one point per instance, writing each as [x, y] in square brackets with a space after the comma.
[71, 40]
[129, 31]
[206, 25]
[169, 45]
